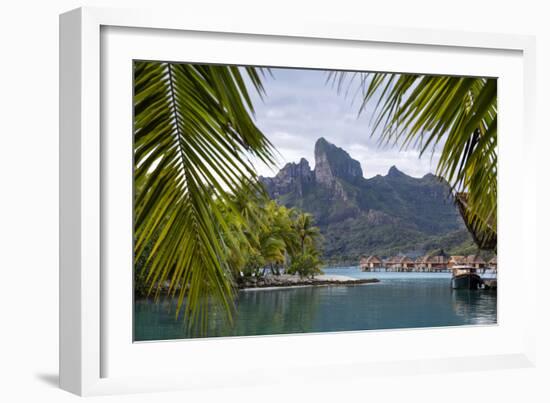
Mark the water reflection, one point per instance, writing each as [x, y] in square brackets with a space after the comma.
[277, 311]
[477, 306]
[398, 301]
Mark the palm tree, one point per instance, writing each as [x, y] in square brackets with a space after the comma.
[307, 233]
[460, 113]
[272, 250]
[193, 136]
[276, 237]
[305, 259]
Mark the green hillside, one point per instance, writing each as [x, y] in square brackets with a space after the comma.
[384, 215]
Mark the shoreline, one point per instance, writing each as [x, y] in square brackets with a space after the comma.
[283, 281]
[286, 281]
[288, 287]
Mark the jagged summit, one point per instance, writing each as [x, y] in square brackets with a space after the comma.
[322, 142]
[292, 178]
[395, 172]
[334, 162]
[300, 168]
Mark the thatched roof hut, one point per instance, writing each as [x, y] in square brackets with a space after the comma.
[406, 262]
[371, 261]
[438, 259]
[476, 261]
[393, 262]
[374, 259]
[456, 260]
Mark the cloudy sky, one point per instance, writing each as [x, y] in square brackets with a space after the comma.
[300, 107]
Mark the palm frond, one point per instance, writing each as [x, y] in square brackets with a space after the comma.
[194, 135]
[460, 113]
[485, 236]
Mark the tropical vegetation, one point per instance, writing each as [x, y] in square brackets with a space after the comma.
[263, 238]
[194, 134]
[202, 221]
[272, 240]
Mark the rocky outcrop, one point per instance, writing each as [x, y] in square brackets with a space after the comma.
[333, 167]
[332, 162]
[291, 178]
[376, 218]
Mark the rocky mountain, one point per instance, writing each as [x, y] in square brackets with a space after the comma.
[385, 214]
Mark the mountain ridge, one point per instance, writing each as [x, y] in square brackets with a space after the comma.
[388, 212]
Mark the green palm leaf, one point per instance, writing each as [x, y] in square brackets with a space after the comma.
[193, 138]
[307, 232]
[458, 112]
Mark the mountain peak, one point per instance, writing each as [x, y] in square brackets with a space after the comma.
[295, 170]
[395, 173]
[321, 141]
[430, 175]
[333, 162]
[292, 178]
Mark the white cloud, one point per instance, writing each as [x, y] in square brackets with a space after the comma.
[300, 107]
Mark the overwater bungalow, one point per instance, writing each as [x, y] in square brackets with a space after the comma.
[436, 262]
[493, 263]
[393, 263]
[419, 264]
[399, 263]
[406, 264]
[476, 261]
[370, 263]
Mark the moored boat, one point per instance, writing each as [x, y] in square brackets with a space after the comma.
[466, 277]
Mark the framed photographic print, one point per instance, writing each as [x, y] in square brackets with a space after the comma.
[255, 195]
[299, 242]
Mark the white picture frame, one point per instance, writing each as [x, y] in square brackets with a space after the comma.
[96, 356]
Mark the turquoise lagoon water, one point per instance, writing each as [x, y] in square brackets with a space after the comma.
[400, 300]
